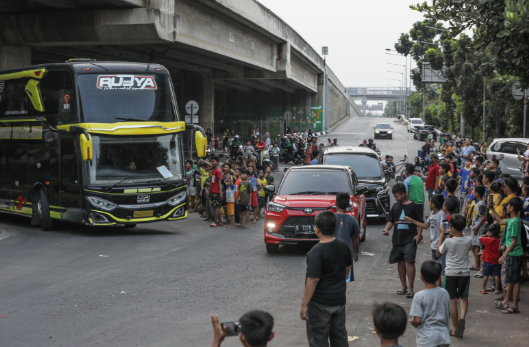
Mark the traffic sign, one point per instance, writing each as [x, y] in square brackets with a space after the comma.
[192, 107]
[517, 91]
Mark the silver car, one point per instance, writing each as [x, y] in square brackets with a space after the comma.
[413, 123]
[505, 151]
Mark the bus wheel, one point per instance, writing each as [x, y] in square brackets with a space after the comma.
[43, 211]
[130, 225]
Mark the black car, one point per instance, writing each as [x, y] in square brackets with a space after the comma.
[369, 172]
[383, 130]
[422, 132]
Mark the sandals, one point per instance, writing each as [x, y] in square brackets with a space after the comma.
[499, 298]
[483, 291]
[491, 289]
[220, 225]
[460, 328]
[477, 276]
[452, 333]
[213, 225]
[403, 291]
[510, 310]
[500, 305]
[474, 269]
[410, 294]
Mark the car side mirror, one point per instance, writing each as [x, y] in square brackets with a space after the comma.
[270, 189]
[361, 190]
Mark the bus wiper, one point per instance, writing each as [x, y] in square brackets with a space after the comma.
[112, 186]
[131, 119]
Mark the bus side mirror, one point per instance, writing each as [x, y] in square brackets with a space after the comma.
[86, 146]
[201, 143]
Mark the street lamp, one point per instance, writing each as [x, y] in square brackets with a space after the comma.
[401, 97]
[405, 83]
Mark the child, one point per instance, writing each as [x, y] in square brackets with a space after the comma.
[191, 190]
[244, 199]
[437, 230]
[406, 237]
[347, 228]
[457, 279]
[252, 178]
[512, 256]
[275, 156]
[430, 309]
[495, 189]
[464, 174]
[525, 199]
[490, 258]
[230, 201]
[237, 179]
[217, 144]
[450, 187]
[261, 183]
[389, 320]
[479, 216]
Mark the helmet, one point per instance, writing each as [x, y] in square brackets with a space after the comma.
[370, 140]
[236, 137]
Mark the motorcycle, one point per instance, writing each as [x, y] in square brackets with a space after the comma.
[265, 159]
[235, 152]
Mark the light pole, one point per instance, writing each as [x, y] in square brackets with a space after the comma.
[405, 83]
[400, 96]
[400, 83]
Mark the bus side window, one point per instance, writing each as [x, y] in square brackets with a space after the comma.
[59, 97]
[14, 101]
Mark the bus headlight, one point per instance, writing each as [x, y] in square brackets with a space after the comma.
[178, 198]
[102, 203]
[272, 206]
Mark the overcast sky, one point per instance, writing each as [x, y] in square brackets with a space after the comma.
[356, 31]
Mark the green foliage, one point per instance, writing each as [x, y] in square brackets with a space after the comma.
[244, 128]
[435, 57]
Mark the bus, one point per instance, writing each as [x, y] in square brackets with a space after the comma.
[97, 143]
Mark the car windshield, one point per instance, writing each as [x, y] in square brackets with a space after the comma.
[364, 166]
[120, 97]
[416, 121]
[135, 160]
[315, 182]
[383, 126]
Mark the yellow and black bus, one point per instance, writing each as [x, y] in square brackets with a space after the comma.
[98, 143]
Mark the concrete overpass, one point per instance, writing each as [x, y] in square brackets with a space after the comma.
[366, 94]
[236, 58]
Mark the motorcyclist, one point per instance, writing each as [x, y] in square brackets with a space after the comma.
[371, 144]
[283, 144]
[384, 162]
[259, 146]
[236, 141]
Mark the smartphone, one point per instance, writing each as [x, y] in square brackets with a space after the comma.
[232, 328]
[491, 200]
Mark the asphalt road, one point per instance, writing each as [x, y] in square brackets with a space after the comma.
[156, 285]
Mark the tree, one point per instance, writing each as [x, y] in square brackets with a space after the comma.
[501, 26]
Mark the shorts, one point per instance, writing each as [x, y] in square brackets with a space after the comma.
[244, 208]
[261, 201]
[275, 159]
[421, 207]
[254, 200]
[457, 286]
[475, 238]
[513, 265]
[404, 252]
[214, 200]
[441, 260]
[191, 191]
[231, 208]
[491, 269]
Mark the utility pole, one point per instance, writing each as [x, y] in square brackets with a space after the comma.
[423, 105]
[485, 113]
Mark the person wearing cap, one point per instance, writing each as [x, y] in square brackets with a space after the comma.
[432, 180]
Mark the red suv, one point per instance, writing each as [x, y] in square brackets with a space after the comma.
[301, 195]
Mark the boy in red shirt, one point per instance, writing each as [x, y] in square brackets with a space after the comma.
[215, 193]
[490, 257]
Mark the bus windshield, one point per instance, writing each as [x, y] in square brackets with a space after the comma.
[135, 160]
[115, 98]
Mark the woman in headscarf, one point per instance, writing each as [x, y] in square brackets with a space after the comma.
[268, 141]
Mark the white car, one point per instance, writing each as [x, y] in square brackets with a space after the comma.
[505, 151]
[413, 123]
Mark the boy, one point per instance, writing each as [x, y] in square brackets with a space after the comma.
[237, 179]
[451, 187]
[191, 190]
[390, 322]
[490, 258]
[406, 237]
[215, 193]
[252, 178]
[261, 183]
[275, 156]
[479, 216]
[230, 201]
[457, 279]
[347, 228]
[470, 183]
[464, 174]
[244, 199]
[323, 304]
[430, 309]
[437, 230]
[512, 256]
[414, 186]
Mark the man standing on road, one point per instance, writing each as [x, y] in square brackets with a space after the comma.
[425, 150]
[432, 181]
[414, 186]
[323, 305]
[465, 152]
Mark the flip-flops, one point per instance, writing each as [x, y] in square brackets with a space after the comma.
[213, 225]
[410, 294]
[491, 289]
[510, 310]
[460, 328]
[500, 305]
[403, 291]
[477, 276]
[483, 291]
[220, 225]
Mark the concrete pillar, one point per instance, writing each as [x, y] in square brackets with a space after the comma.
[308, 109]
[207, 104]
[364, 105]
[12, 57]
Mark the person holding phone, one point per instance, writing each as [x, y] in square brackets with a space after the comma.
[254, 329]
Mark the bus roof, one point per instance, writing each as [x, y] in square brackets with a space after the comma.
[79, 67]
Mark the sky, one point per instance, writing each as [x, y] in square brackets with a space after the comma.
[357, 33]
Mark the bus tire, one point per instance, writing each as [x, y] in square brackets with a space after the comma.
[131, 225]
[43, 211]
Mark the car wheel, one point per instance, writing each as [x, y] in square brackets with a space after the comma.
[415, 137]
[363, 239]
[391, 137]
[272, 248]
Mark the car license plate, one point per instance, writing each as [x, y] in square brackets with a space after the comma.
[304, 229]
[140, 214]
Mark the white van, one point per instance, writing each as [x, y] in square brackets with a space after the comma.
[414, 122]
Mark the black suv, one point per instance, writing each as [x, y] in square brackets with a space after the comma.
[369, 172]
[422, 132]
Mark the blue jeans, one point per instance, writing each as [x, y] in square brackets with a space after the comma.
[430, 193]
[441, 260]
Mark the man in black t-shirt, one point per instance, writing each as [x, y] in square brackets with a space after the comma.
[406, 237]
[323, 305]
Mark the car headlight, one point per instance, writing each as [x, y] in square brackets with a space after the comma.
[376, 131]
[101, 203]
[390, 132]
[272, 206]
[178, 198]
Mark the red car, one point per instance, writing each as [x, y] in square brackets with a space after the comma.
[303, 192]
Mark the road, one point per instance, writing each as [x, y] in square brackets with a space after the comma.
[157, 284]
